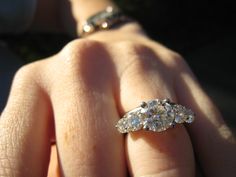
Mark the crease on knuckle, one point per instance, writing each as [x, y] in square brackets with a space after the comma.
[142, 60]
[133, 48]
[135, 55]
[78, 50]
[84, 59]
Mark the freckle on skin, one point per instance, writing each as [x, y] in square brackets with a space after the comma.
[66, 138]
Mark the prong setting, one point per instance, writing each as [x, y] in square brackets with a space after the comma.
[143, 104]
[155, 115]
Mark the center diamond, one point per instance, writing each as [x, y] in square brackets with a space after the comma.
[157, 115]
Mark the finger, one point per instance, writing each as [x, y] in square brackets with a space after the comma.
[168, 153]
[85, 112]
[53, 168]
[213, 141]
[25, 127]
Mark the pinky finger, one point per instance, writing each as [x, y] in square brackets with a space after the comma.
[213, 141]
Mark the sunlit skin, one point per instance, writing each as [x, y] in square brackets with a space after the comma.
[76, 97]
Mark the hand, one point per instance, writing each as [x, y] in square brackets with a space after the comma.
[83, 90]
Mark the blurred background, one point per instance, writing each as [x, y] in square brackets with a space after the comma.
[203, 31]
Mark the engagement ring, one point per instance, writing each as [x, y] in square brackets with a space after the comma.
[155, 115]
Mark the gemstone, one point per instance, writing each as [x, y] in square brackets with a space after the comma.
[154, 123]
[143, 104]
[148, 124]
[167, 121]
[150, 108]
[152, 103]
[168, 115]
[180, 118]
[155, 115]
[180, 114]
[134, 123]
[168, 107]
[190, 116]
[122, 125]
[158, 115]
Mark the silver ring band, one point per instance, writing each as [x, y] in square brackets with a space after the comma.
[155, 115]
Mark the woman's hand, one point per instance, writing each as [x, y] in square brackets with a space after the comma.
[80, 93]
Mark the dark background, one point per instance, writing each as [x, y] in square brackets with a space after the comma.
[201, 30]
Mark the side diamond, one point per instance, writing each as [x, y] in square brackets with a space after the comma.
[190, 116]
[134, 123]
[180, 114]
[122, 125]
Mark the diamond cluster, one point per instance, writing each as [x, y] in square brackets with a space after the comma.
[155, 115]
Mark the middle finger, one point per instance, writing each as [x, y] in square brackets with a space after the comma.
[85, 112]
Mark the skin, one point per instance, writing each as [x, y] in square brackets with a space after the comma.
[77, 96]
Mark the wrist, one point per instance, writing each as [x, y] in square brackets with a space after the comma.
[83, 9]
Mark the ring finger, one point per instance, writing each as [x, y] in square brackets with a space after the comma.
[168, 153]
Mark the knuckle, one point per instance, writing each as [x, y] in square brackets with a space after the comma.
[177, 62]
[84, 56]
[133, 48]
[25, 74]
[26, 79]
[138, 57]
[135, 54]
[80, 48]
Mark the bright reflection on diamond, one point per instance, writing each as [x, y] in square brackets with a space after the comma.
[155, 115]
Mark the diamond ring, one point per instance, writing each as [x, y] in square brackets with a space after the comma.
[155, 115]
